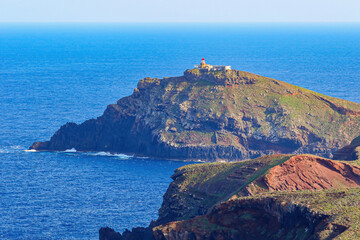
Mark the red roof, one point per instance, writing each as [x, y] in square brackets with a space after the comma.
[203, 59]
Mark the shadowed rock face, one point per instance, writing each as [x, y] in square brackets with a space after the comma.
[349, 152]
[260, 219]
[230, 115]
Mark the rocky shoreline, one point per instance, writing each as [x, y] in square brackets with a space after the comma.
[280, 192]
[213, 116]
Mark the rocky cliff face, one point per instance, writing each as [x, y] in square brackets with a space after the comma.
[197, 188]
[349, 152]
[259, 218]
[229, 115]
[271, 197]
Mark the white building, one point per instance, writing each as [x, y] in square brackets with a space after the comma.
[208, 67]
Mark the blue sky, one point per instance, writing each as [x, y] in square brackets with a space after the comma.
[179, 11]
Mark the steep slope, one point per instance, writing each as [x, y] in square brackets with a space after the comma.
[271, 197]
[307, 172]
[197, 188]
[300, 215]
[227, 115]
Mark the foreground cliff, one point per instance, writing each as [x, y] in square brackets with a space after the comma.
[227, 115]
[271, 197]
[304, 215]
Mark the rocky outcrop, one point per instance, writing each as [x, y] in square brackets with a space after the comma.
[271, 197]
[196, 189]
[138, 233]
[229, 115]
[224, 78]
[260, 218]
[349, 152]
[107, 233]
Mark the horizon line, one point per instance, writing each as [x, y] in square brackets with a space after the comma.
[183, 22]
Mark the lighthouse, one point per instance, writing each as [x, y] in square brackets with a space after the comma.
[202, 64]
[207, 67]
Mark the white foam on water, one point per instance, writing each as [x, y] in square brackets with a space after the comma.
[101, 154]
[108, 154]
[123, 156]
[70, 150]
[73, 150]
[30, 150]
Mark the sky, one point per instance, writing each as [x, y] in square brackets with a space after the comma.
[179, 11]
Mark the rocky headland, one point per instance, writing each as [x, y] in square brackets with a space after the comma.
[271, 197]
[215, 115]
[281, 192]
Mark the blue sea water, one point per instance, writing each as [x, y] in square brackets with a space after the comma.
[51, 74]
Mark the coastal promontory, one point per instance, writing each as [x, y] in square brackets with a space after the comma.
[215, 115]
[301, 197]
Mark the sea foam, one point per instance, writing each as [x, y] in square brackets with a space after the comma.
[108, 154]
[30, 150]
[72, 150]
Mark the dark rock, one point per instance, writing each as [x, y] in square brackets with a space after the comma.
[349, 152]
[109, 234]
[177, 117]
[138, 233]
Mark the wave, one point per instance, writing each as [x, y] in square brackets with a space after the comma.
[103, 154]
[108, 154]
[201, 161]
[30, 150]
[72, 150]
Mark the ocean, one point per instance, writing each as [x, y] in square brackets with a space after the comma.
[51, 74]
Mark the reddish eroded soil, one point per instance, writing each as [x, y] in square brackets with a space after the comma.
[310, 172]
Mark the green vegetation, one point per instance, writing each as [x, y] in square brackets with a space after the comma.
[275, 113]
[219, 187]
[217, 182]
[237, 106]
[201, 173]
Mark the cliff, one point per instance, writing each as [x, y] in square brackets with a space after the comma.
[271, 197]
[349, 152]
[229, 115]
[274, 217]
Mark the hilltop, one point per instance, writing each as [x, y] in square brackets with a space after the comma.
[271, 197]
[215, 115]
